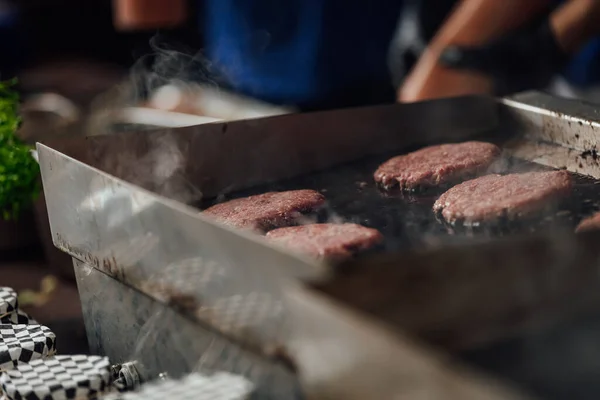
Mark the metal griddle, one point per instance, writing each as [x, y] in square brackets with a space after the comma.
[406, 220]
[115, 210]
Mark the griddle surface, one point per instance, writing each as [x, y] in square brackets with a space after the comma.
[407, 220]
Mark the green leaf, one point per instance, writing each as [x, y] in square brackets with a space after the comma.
[19, 172]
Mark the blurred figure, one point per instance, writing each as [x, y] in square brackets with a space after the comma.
[494, 47]
[329, 54]
[312, 54]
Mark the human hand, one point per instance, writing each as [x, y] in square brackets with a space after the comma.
[429, 80]
[522, 61]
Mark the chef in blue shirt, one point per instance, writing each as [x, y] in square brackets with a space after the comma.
[319, 54]
[312, 54]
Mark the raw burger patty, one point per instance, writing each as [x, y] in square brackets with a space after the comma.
[327, 241]
[437, 165]
[494, 196]
[268, 210]
[589, 224]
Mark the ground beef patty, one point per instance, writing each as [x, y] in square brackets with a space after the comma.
[493, 197]
[437, 165]
[268, 210]
[589, 224]
[333, 242]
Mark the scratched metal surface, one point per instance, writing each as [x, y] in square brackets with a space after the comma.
[143, 332]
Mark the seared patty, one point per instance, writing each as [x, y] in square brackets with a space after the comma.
[493, 197]
[589, 224]
[268, 210]
[327, 241]
[437, 165]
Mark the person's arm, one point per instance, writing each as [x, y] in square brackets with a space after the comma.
[473, 23]
[148, 14]
[575, 23]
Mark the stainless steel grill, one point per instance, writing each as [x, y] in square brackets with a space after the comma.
[149, 265]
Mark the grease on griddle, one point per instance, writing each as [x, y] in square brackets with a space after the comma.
[406, 219]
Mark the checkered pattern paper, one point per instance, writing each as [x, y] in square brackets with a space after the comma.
[24, 343]
[8, 302]
[219, 386]
[18, 318]
[59, 377]
[9, 309]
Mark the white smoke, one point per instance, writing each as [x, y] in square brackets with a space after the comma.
[162, 167]
[167, 66]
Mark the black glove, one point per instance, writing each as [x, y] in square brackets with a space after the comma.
[522, 61]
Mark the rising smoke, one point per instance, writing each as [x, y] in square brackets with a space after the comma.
[167, 65]
[161, 167]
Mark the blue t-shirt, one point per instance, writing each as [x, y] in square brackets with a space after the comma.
[321, 53]
[309, 53]
[584, 69]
